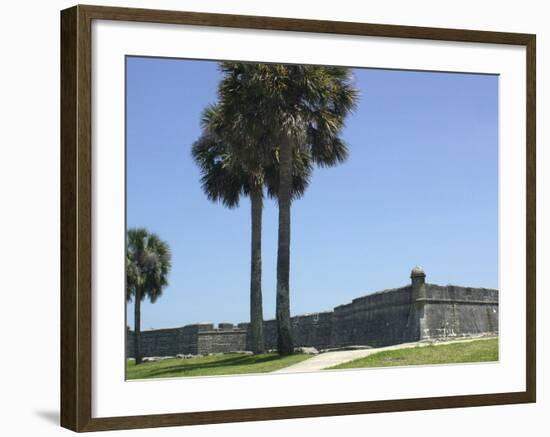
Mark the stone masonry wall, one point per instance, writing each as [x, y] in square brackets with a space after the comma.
[419, 311]
[378, 319]
[308, 330]
[454, 311]
[167, 342]
[224, 339]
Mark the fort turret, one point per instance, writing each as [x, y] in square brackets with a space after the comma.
[418, 297]
[418, 281]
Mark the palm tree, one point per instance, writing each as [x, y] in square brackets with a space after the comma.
[148, 262]
[297, 108]
[224, 179]
[232, 166]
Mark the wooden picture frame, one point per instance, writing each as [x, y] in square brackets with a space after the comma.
[76, 217]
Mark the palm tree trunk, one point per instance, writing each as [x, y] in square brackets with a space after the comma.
[137, 326]
[256, 311]
[284, 333]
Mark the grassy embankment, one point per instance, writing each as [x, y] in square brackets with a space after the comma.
[226, 364]
[461, 352]
[232, 364]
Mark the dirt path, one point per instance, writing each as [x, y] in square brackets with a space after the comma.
[329, 359]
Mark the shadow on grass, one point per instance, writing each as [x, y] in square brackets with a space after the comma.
[245, 360]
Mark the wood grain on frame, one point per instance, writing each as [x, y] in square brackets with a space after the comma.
[76, 222]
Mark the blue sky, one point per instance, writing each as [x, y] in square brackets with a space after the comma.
[420, 187]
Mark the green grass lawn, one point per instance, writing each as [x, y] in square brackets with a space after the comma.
[463, 352]
[226, 364]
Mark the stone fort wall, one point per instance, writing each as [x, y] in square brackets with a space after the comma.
[419, 311]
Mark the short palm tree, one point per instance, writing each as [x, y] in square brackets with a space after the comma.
[148, 263]
[296, 107]
[232, 165]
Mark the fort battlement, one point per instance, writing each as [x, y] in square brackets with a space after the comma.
[415, 312]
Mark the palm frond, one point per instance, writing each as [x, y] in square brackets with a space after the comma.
[148, 264]
[257, 103]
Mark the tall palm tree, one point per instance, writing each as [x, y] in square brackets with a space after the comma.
[299, 107]
[225, 179]
[148, 263]
[233, 166]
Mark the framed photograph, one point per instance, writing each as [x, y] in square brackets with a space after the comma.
[269, 218]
